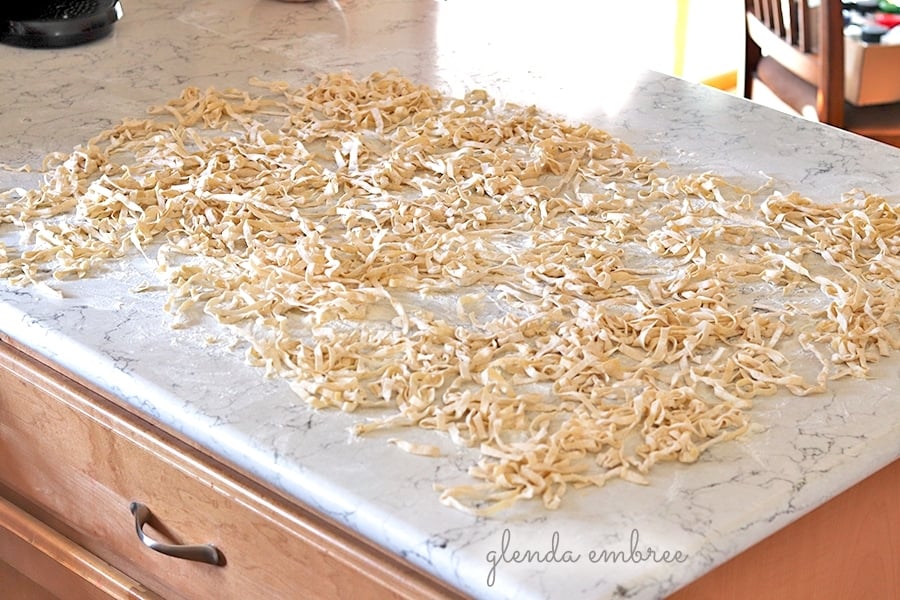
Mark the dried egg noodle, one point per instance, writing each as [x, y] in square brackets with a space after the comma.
[528, 287]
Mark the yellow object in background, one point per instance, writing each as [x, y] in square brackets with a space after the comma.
[681, 22]
[705, 18]
[723, 81]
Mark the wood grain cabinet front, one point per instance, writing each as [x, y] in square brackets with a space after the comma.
[78, 462]
[38, 563]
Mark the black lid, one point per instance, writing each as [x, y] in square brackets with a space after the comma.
[872, 33]
[57, 23]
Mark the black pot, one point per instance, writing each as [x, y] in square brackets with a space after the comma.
[57, 23]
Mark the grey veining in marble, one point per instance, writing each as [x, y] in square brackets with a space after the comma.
[807, 449]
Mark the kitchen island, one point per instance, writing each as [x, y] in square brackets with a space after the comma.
[118, 349]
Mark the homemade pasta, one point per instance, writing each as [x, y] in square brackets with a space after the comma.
[524, 286]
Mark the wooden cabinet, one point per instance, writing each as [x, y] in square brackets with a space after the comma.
[38, 563]
[847, 548]
[72, 462]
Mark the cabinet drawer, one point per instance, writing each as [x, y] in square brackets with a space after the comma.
[32, 552]
[83, 460]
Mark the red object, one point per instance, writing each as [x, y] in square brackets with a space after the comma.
[887, 19]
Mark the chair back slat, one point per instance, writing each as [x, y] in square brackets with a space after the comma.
[765, 13]
[776, 15]
[762, 11]
[804, 32]
[788, 19]
[791, 31]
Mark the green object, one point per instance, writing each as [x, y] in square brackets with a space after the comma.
[889, 6]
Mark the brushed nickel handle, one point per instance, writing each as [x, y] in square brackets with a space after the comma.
[205, 553]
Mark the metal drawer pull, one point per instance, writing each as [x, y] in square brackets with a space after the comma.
[205, 553]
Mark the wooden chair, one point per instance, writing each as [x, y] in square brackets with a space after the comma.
[794, 54]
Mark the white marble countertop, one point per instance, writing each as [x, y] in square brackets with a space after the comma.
[808, 450]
